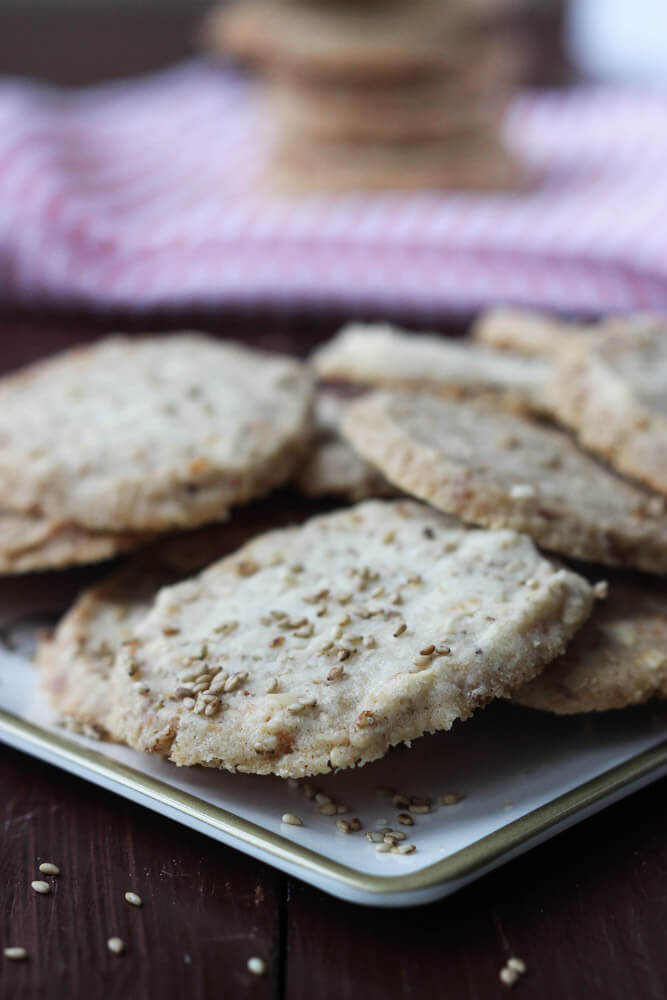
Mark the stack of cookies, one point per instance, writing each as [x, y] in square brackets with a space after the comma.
[470, 475]
[381, 93]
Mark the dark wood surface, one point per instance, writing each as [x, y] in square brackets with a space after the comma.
[585, 911]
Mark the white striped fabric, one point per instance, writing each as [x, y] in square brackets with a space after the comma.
[144, 193]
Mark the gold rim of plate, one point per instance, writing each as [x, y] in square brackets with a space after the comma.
[484, 852]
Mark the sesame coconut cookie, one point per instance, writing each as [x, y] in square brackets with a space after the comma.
[30, 543]
[618, 658]
[382, 355]
[613, 394]
[149, 433]
[332, 468]
[500, 469]
[318, 647]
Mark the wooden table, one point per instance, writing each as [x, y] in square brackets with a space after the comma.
[584, 911]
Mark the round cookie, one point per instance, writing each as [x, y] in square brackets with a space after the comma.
[31, 544]
[500, 469]
[619, 657]
[149, 433]
[612, 392]
[319, 647]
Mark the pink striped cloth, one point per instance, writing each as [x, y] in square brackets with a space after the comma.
[144, 194]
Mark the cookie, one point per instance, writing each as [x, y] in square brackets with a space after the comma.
[500, 469]
[332, 468]
[31, 544]
[319, 647]
[619, 657]
[363, 43]
[382, 355]
[149, 433]
[612, 392]
[392, 117]
[523, 331]
[76, 661]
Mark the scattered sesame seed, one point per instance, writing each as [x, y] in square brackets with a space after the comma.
[116, 945]
[421, 660]
[601, 589]
[42, 887]
[419, 810]
[450, 799]
[406, 819]
[508, 976]
[344, 654]
[16, 954]
[389, 537]
[277, 641]
[257, 966]
[442, 650]
[328, 809]
[404, 849]
[48, 868]
[291, 820]
[400, 801]
[400, 630]
[141, 687]
[427, 650]
[414, 578]
[516, 965]
[375, 836]
[382, 848]
[345, 620]
[385, 791]
[343, 825]
[322, 799]
[370, 642]
[134, 899]
[335, 673]
[355, 824]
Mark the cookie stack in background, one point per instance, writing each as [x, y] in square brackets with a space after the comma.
[381, 94]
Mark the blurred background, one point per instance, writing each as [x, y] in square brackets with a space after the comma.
[81, 41]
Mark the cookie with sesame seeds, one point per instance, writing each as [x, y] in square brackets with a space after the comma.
[618, 658]
[332, 468]
[612, 392]
[150, 433]
[75, 662]
[318, 647]
[31, 544]
[501, 469]
[378, 354]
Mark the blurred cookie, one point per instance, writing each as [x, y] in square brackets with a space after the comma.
[499, 469]
[619, 657]
[149, 433]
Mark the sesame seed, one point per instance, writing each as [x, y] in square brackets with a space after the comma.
[116, 945]
[516, 965]
[226, 627]
[384, 791]
[189, 703]
[400, 801]
[355, 824]
[322, 799]
[389, 537]
[42, 887]
[370, 642]
[328, 809]
[360, 611]
[419, 810]
[335, 673]
[414, 578]
[277, 641]
[344, 654]
[421, 660]
[400, 630]
[16, 954]
[247, 568]
[442, 650]
[291, 820]
[257, 966]
[427, 650]
[601, 589]
[345, 620]
[420, 800]
[305, 632]
[404, 849]
[341, 809]
[48, 868]
[382, 848]
[406, 819]
[450, 799]
[396, 597]
[374, 836]
[396, 835]
[141, 687]
[279, 615]
[273, 686]
[343, 825]
[378, 592]
[265, 620]
[234, 682]
[134, 899]
[508, 976]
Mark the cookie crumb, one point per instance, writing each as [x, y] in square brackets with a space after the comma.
[291, 820]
